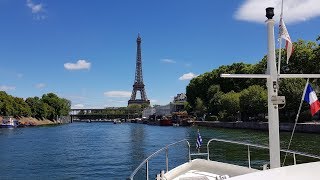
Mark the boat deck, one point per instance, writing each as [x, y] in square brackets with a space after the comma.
[199, 175]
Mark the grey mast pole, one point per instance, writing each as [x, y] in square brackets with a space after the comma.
[272, 85]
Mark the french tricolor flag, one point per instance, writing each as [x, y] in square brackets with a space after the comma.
[311, 98]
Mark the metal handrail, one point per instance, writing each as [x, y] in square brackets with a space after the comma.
[146, 161]
[166, 148]
[294, 153]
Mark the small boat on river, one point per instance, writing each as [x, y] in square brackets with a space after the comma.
[117, 121]
[165, 121]
[9, 123]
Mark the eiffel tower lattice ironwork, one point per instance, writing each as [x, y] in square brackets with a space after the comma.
[138, 81]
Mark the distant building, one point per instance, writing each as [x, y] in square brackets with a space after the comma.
[166, 110]
[180, 98]
[163, 110]
[179, 102]
[148, 112]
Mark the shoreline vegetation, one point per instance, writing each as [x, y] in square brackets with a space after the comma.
[30, 121]
[32, 111]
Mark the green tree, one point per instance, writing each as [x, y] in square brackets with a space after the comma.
[135, 109]
[253, 102]
[292, 89]
[21, 108]
[200, 108]
[6, 104]
[214, 94]
[230, 104]
[56, 106]
[303, 59]
[187, 107]
[53, 101]
[32, 103]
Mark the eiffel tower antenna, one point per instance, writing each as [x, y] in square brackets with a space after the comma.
[138, 84]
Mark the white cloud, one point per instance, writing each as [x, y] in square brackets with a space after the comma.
[81, 64]
[117, 94]
[40, 85]
[35, 8]
[187, 76]
[293, 11]
[7, 88]
[168, 61]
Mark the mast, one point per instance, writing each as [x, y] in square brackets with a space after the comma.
[272, 86]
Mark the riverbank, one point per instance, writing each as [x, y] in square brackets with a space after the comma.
[30, 121]
[35, 122]
[312, 127]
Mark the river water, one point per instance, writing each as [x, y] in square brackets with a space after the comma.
[113, 151]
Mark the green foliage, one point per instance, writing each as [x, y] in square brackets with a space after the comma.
[303, 59]
[215, 103]
[230, 102]
[200, 107]
[187, 107]
[134, 107]
[292, 89]
[49, 106]
[253, 102]
[212, 118]
[21, 108]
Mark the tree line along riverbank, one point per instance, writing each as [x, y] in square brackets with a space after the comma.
[231, 99]
[30, 121]
[34, 110]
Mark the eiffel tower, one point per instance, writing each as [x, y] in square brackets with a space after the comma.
[138, 84]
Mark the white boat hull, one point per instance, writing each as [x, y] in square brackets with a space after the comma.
[197, 167]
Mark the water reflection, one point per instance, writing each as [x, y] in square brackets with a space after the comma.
[137, 150]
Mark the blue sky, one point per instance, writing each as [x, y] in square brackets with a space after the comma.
[85, 51]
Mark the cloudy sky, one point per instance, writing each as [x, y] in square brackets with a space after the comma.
[86, 51]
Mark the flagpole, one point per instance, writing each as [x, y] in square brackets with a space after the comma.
[197, 140]
[279, 58]
[280, 39]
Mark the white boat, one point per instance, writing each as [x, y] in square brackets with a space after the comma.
[207, 169]
[9, 123]
[117, 121]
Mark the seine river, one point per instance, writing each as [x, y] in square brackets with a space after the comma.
[113, 151]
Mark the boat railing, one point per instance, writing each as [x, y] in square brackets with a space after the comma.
[250, 145]
[166, 149]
